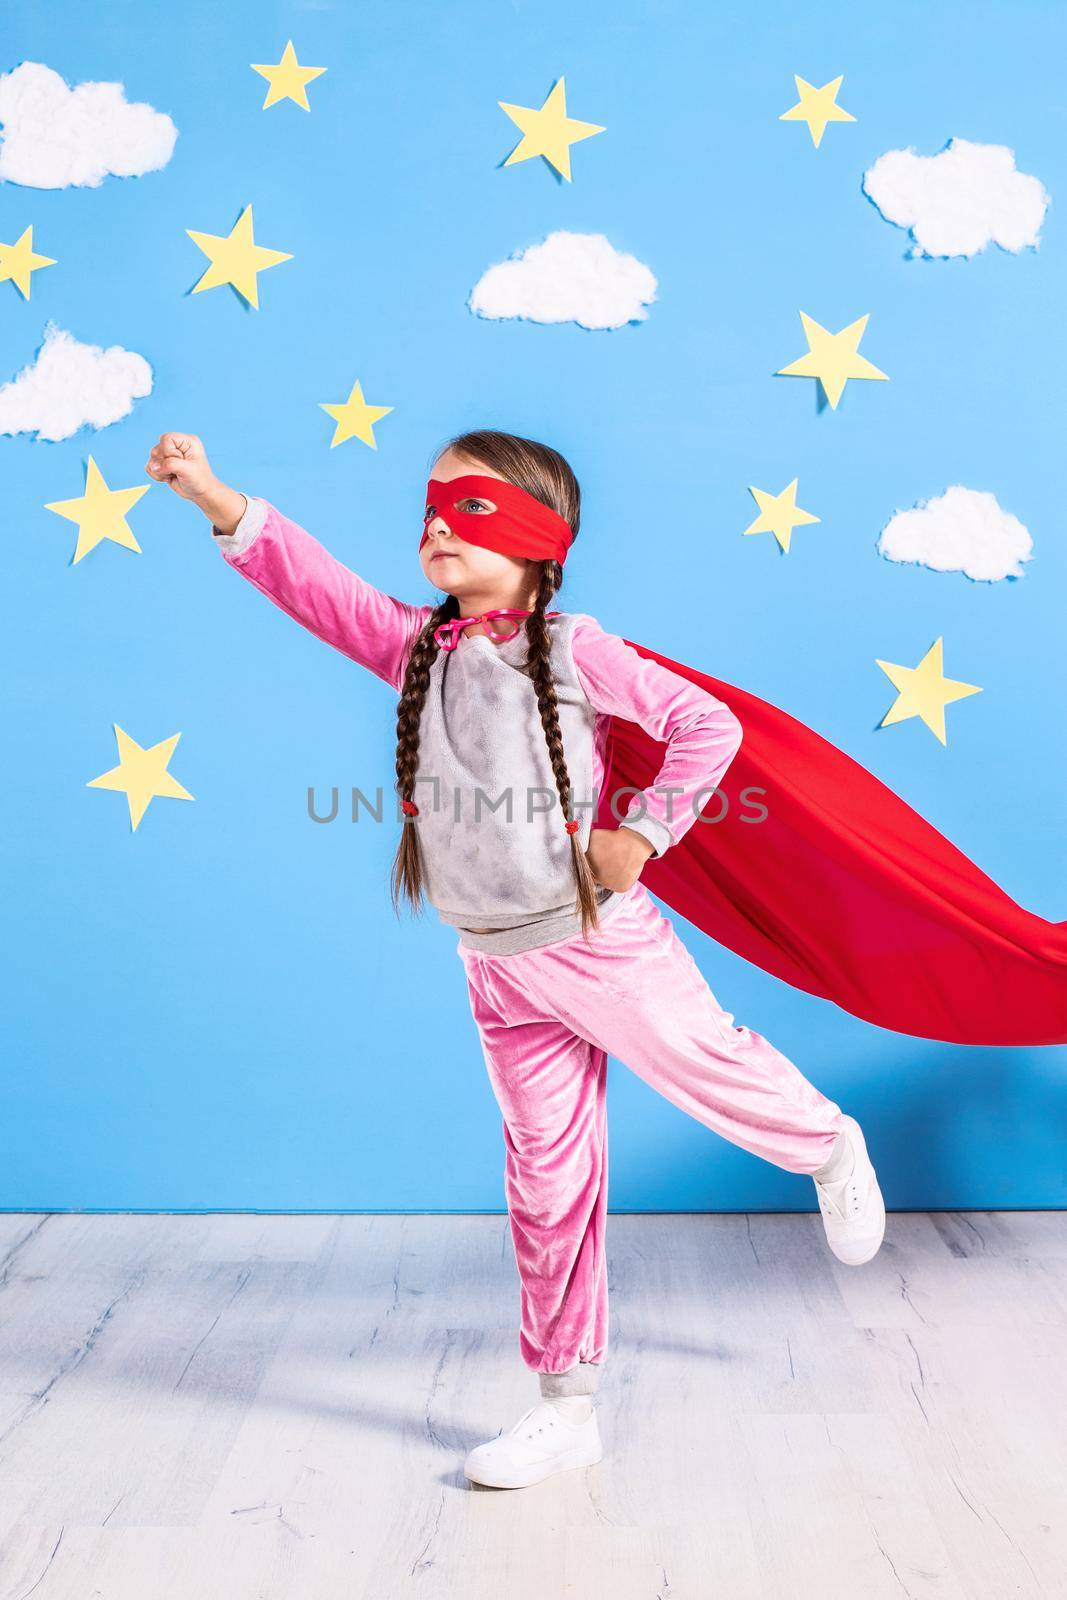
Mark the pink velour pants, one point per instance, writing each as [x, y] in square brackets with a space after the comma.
[548, 1018]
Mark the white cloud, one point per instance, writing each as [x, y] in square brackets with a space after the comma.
[962, 530]
[54, 136]
[571, 277]
[962, 199]
[72, 385]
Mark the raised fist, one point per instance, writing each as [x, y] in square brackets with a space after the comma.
[179, 461]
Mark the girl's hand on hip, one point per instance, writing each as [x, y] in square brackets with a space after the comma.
[617, 855]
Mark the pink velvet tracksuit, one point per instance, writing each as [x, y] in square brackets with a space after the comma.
[549, 1017]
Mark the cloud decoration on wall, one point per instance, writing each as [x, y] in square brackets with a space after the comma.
[959, 201]
[73, 385]
[962, 530]
[54, 136]
[570, 277]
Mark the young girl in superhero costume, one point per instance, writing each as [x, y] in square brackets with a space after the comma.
[566, 958]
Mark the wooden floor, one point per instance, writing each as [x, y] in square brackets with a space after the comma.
[254, 1406]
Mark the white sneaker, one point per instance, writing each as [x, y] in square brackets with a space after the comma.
[539, 1444]
[853, 1211]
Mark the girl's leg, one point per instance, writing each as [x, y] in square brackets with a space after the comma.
[638, 994]
[551, 1087]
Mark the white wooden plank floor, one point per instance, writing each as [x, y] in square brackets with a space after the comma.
[253, 1407]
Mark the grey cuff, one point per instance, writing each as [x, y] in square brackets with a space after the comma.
[651, 828]
[580, 1379]
[251, 524]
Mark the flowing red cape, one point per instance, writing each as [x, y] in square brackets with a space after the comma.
[842, 889]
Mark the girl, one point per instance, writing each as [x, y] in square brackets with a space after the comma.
[503, 707]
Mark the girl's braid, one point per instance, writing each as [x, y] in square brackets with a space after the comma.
[407, 874]
[538, 665]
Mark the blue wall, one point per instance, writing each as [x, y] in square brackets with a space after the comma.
[221, 1010]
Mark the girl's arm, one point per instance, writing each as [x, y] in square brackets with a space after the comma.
[702, 734]
[303, 579]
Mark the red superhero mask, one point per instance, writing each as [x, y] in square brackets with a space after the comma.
[520, 526]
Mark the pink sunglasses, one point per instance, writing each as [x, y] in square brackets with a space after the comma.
[447, 634]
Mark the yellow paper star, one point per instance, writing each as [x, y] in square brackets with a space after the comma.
[548, 131]
[355, 418]
[141, 774]
[833, 358]
[778, 513]
[18, 260]
[924, 691]
[100, 512]
[816, 107]
[287, 79]
[235, 258]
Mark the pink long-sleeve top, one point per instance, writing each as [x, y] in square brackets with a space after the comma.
[496, 856]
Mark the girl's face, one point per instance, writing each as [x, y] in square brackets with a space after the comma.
[477, 577]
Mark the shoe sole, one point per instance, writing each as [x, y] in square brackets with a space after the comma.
[583, 1456]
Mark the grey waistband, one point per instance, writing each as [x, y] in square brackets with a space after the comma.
[540, 931]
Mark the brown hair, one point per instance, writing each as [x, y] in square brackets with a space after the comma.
[543, 473]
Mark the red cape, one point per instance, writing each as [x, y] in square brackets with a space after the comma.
[843, 890]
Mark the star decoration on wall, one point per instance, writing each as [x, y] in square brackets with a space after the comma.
[141, 774]
[778, 514]
[833, 358]
[19, 260]
[816, 107]
[548, 131]
[100, 512]
[287, 79]
[355, 417]
[924, 691]
[235, 258]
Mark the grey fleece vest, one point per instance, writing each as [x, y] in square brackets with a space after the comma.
[491, 830]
